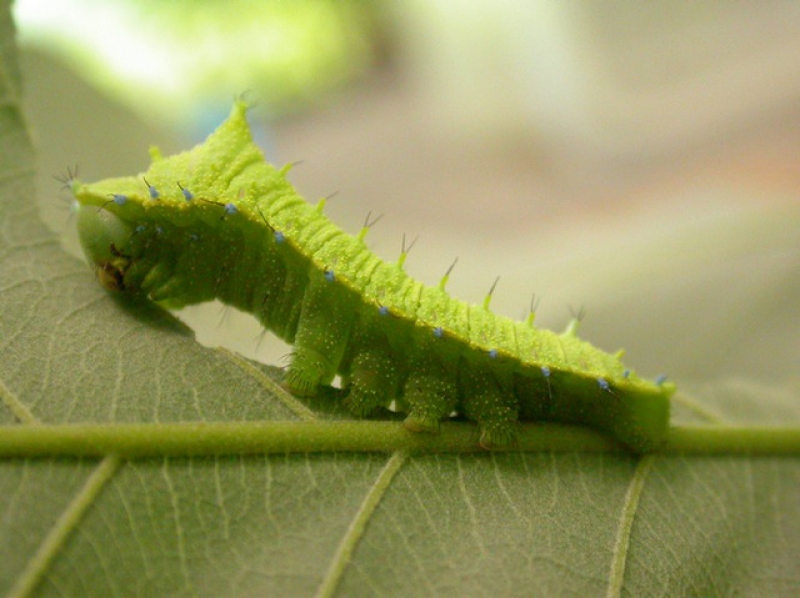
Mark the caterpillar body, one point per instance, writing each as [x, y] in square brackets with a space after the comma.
[218, 221]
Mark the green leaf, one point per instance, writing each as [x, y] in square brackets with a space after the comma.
[346, 524]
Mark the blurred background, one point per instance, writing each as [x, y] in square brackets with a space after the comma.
[639, 159]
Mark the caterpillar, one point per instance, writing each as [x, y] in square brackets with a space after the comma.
[219, 221]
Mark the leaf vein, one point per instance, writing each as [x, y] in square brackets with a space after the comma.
[619, 559]
[344, 552]
[66, 524]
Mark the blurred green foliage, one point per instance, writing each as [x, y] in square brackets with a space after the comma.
[180, 57]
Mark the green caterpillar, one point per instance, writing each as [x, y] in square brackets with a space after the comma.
[220, 222]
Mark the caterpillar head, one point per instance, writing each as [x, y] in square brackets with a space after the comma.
[104, 238]
[145, 244]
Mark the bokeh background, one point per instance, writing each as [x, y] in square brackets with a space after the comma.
[641, 160]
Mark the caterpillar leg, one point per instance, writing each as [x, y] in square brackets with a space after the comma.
[323, 331]
[430, 393]
[373, 380]
[485, 402]
[308, 370]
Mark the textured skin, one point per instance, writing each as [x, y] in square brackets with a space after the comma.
[220, 222]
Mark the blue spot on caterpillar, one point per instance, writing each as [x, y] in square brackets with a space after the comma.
[154, 194]
[254, 243]
[187, 195]
[116, 198]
